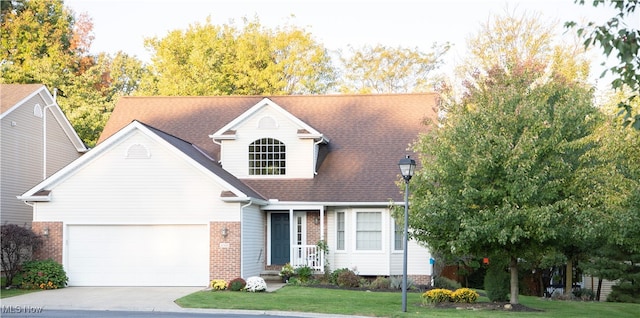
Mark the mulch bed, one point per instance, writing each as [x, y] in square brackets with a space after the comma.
[502, 306]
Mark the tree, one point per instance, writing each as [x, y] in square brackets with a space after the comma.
[613, 188]
[383, 69]
[616, 36]
[507, 40]
[18, 243]
[46, 43]
[495, 174]
[228, 59]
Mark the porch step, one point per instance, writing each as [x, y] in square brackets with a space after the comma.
[271, 276]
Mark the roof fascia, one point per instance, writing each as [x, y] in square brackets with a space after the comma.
[110, 142]
[219, 135]
[285, 205]
[63, 121]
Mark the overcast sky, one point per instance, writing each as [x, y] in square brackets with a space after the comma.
[121, 25]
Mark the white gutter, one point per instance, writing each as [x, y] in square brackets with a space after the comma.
[244, 199]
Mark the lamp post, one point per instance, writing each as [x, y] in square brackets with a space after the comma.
[407, 168]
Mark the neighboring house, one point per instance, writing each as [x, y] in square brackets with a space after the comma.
[26, 110]
[181, 190]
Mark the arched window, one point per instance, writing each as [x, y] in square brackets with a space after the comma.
[267, 156]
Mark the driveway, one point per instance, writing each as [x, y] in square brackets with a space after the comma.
[104, 298]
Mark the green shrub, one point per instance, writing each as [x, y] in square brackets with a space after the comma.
[381, 283]
[496, 284]
[304, 274]
[625, 292]
[334, 275]
[396, 282]
[348, 279]
[237, 284]
[445, 282]
[585, 294]
[464, 295]
[46, 274]
[436, 296]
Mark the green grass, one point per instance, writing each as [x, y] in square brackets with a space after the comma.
[6, 293]
[383, 304]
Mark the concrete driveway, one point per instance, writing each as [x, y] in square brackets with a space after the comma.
[104, 298]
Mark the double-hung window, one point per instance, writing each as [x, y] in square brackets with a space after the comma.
[340, 231]
[369, 231]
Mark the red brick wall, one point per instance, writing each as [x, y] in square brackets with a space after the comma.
[225, 252]
[52, 244]
[421, 279]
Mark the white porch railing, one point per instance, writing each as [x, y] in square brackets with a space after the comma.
[307, 255]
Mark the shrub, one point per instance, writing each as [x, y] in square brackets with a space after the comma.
[287, 271]
[46, 274]
[348, 279]
[304, 273]
[436, 296]
[17, 243]
[585, 294]
[625, 292]
[496, 283]
[396, 282]
[464, 295]
[335, 274]
[218, 284]
[445, 282]
[255, 284]
[381, 283]
[237, 284]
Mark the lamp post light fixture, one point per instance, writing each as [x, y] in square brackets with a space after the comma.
[407, 168]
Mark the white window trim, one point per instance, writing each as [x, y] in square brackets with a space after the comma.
[346, 230]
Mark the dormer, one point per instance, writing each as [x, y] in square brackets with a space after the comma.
[268, 142]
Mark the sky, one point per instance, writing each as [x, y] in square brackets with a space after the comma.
[122, 25]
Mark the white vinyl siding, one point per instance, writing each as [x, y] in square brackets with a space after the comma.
[253, 241]
[368, 231]
[163, 189]
[300, 152]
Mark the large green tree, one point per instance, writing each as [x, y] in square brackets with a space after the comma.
[497, 174]
[383, 69]
[228, 59]
[618, 36]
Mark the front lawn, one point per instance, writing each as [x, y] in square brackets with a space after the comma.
[388, 304]
[5, 293]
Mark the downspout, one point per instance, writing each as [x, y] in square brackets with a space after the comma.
[241, 239]
[44, 133]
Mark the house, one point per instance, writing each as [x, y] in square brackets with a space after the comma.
[182, 190]
[36, 139]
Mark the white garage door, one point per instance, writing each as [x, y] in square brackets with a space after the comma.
[137, 255]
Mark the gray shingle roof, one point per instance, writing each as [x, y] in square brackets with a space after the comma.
[369, 134]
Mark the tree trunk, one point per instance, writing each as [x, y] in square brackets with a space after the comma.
[568, 282]
[513, 269]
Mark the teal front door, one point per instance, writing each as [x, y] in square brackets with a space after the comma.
[280, 244]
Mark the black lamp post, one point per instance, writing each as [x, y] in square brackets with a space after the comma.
[407, 168]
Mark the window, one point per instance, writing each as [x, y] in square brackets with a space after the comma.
[398, 236]
[368, 231]
[267, 156]
[340, 231]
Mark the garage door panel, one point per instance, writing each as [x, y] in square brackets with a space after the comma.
[138, 255]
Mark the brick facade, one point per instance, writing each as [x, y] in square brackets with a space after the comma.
[52, 243]
[225, 252]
